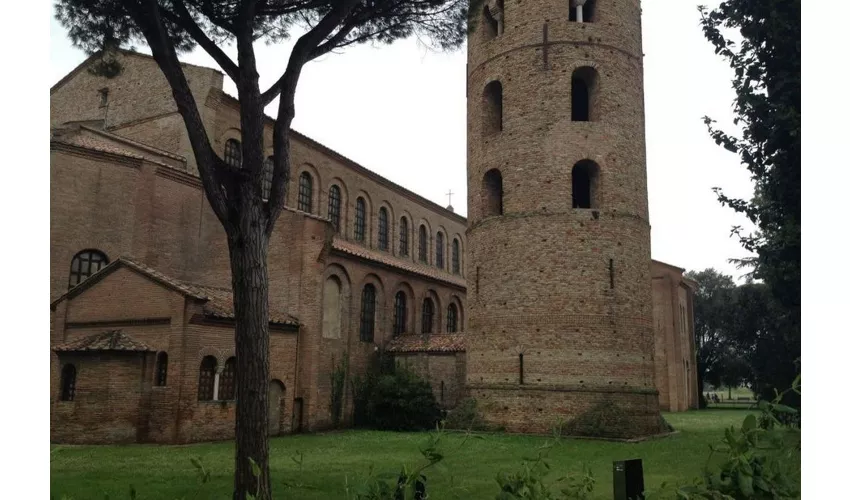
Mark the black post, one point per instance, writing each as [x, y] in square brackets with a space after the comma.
[628, 480]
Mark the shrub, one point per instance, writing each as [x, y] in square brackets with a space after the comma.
[394, 398]
[465, 417]
[608, 420]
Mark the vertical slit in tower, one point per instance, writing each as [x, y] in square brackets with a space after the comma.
[477, 271]
[611, 272]
[545, 46]
[521, 370]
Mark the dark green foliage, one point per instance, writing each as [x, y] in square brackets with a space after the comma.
[608, 420]
[767, 107]
[402, 401]
[465, 417]
[338, 388]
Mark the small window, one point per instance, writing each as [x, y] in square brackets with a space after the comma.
[585, 11]
[360, 220]
[492, 100]
[383, 230]
[494, 20]
[268, 175]
[227, 381]
[305, 193]
[427, 316]
[206, 378]
[84, 264]
[367, 313]
[104, 96]
[400, 316]
[423, 244]
[451, 319]
[491, 198]
[68, 383]
[438, 257]
[233, 153]
[585, 184]
[455, 256]
[334, 204]
[161, 369]
[403, 238]
[583, 94]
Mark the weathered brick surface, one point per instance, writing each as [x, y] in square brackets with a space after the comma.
[446, 372]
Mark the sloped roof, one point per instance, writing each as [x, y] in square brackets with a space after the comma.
[113, 340]
[438, 342]
[220, 305]
[384, 258]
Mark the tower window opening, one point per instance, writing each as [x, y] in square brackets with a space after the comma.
[585, 184]
[582, 11]
[492, 193]
[492, 108]
[494, 19]
[583, 93]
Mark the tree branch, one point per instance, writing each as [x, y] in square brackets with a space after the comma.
[184, 19]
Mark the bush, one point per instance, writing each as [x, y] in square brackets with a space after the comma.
[394, 399]
[465, 417]
[608, 420]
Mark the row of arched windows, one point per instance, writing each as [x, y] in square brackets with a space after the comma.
[215, 384]
[68, 377]
[494, 15]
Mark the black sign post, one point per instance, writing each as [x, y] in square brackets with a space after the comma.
[628, 480]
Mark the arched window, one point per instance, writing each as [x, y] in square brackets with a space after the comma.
[268, 173]
[585, 184]
[451, 319]
[206, 378]
[161, 369]
[494, 19]
[233, 153]
[582, 13]
[438, 257]
[400, 316]
[332, 309]
[492, 98]
[334, 204]
[227, 381]
[423, 244]
[84, 264]
[403, 236]
[427, 315]
[383, 229]
[491, 197]
[455, 256]
[360, 219]
[367, 313]
[305, 193]
[68, 383]
[583, 94]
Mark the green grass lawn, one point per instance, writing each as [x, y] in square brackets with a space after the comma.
[329, 460]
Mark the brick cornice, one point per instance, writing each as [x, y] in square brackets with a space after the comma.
[85, 152]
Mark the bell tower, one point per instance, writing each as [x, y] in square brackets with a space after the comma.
[559, 296]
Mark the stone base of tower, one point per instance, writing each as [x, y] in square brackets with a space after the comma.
[578, 411]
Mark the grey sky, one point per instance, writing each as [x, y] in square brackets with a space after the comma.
[400, 111]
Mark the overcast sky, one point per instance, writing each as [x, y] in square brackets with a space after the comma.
[400, 111]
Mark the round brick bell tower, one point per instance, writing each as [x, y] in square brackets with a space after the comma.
[560, 305]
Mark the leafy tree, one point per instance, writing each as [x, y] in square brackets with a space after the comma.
[767, 106]
[169, 27]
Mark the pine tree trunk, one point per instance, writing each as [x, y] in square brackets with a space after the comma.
[249, 267]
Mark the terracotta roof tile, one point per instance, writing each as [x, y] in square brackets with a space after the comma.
[220, 305]
[96, 145]
[113, 340]
[390, 260]
[438, 342]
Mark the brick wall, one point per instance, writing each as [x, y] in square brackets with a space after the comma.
[446, 372]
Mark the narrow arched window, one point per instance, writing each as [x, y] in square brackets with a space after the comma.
[68, 383]
[268, 174]
[451, 319]
[427, 315]
[305, 193]
[403, 237]
[227, 381]
[84, 264]
[233, 153]
[400, 316]
[383, 229]
[584, 13]
[161, 369]
[367, 313]
[360, 220]
[583, 94]
[492, 104]
[491, 196]
[438, 254]
[455, 256]
[206, 378]
[585, 184]
[494, 19]
[423, 244]
[334, 204]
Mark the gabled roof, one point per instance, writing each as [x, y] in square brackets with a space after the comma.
[113, 340]
[438, 342]
[386, 259]
[217, 301]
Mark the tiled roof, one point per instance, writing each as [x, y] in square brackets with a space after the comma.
[438, 342]
[113, 340]
[95, 145]
[390, 260]
[220, 305]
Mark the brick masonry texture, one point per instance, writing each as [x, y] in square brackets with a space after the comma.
[124, 182]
